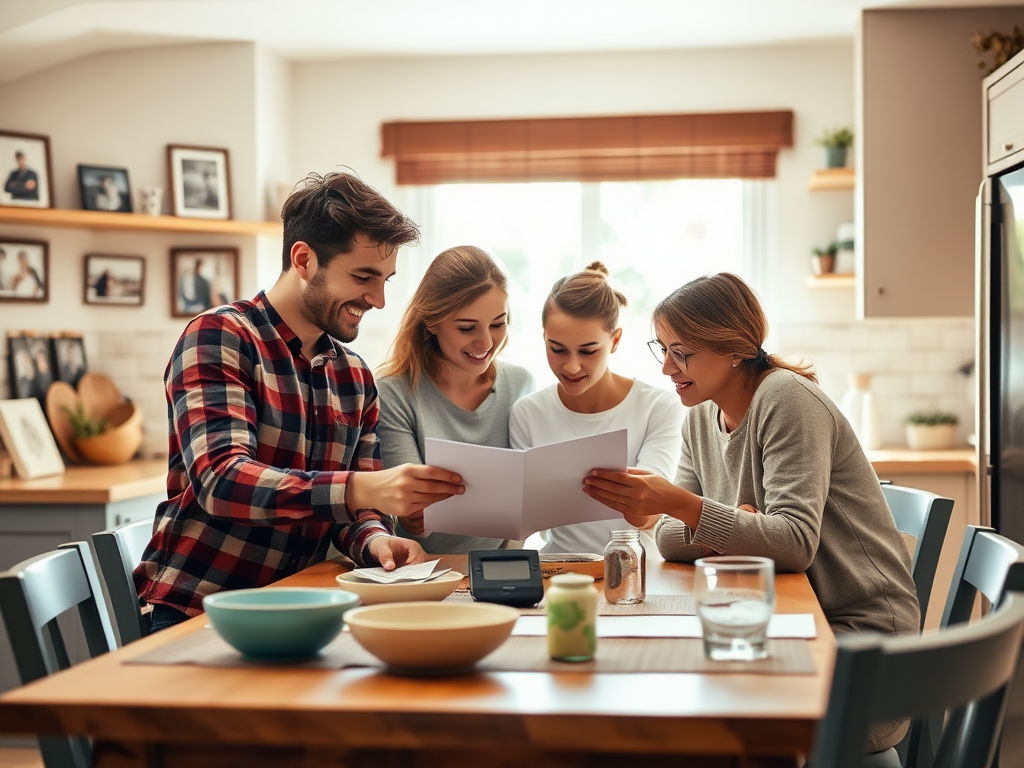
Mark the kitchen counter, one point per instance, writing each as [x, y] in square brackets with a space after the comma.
[89, 484]
[903, 461]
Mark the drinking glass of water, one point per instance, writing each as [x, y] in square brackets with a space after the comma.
[735, 598]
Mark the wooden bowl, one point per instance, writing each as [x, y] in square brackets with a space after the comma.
[120, 440]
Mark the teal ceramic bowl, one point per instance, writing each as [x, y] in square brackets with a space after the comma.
[279, 624]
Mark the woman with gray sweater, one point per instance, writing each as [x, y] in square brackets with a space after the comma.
[769, 467]
[441, 378]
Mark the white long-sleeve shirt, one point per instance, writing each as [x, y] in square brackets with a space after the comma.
[653, 420]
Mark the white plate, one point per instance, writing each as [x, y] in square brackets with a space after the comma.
[370, 593]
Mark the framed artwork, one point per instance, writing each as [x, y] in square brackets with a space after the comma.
[200, 182]
[202, 278]
[69, 356]
[26, 170]
[104, 189]
[117, 281]
[31, 365]
[28, 439]
[24, 270]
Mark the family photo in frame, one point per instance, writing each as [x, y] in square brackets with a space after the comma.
[30, 364]
[114, 280]
[104, 189]
[200, 182]
[26, 170]
[24, 270]
[69, 355]
[202, 278]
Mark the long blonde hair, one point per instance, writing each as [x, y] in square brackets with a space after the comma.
[721, 314]
[455, 279]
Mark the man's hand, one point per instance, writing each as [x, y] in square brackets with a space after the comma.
[394, 552]
[403, 490]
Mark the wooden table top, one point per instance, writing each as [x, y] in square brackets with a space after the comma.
[89, 484]
[724, 714]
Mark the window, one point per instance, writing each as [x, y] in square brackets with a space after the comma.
[653, 236]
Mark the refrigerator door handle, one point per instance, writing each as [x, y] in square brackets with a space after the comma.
[983, 308]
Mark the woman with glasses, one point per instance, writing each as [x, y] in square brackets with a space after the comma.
[581, 331]
[442, 377]
[760, 437]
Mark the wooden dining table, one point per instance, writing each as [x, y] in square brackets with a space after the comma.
[201, 717]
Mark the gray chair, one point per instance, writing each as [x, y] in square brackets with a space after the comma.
[989, 565]
[925, 516]
[32, 595]
[967, 669]
[118, 552]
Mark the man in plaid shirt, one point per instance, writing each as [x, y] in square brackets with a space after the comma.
[273, 421]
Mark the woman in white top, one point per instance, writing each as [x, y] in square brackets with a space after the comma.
[441, 378]
[581, 331]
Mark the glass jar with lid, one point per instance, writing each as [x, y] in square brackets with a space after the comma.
[625, 568]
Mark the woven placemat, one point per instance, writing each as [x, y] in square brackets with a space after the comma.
[653, 605]
[517, 654]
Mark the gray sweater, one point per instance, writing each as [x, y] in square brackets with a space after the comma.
[408, 418]
[796, 459]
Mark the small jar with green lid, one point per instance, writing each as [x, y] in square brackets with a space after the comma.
[571, 604]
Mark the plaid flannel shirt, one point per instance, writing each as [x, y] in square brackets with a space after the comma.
[261, 444]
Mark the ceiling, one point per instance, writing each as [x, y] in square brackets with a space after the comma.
[35, 34]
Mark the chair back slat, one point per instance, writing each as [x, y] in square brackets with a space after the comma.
[988, 563]
[118, 552]
[925, 516]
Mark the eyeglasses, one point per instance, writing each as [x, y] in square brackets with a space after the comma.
[659, 351]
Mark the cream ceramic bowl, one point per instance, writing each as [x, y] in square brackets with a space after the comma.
[429, 638]
[371, 593]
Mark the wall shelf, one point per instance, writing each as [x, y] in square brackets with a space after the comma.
[128, 222]
[831, 178]
[831, 281]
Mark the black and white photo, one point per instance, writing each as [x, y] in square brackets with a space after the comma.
[25, 170]
[115, 280]
[24, 270]
[200, 182]
[31, 365]
[69, 356]
[104, 189]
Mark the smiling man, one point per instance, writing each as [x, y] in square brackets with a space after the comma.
[273, 420]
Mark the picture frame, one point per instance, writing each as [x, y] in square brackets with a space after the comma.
[30, 363]
[24, 270]
[28, 439]
[115, 281]
[104, 189]
[26, 170]
[200, 181]
[68, 351]
[202, 278]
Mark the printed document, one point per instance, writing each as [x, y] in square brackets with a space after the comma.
[511, 494]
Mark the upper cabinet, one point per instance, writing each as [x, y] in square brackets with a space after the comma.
[919, 144]
[1004, 116]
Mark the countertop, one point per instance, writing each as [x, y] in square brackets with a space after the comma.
[903, 461]
[142, 477]
[89, 484]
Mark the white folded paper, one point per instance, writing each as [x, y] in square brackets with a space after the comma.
[418, 572]
[781, 625]
[511, 494]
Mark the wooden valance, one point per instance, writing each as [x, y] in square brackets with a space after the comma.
[634, 147]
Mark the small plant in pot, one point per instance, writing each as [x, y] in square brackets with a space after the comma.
[837, 143]
[931, 430]
[824, 260]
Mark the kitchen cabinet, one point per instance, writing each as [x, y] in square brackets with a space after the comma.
[1003, 118]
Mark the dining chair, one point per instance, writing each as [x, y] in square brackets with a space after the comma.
[33, 594]
[966, 669]
[925, 516]
[118, 552]
[989, 565]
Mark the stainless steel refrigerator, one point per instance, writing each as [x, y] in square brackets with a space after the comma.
[1000, 352]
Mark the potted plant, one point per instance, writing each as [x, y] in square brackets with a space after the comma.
[836, 142]
[931, 430]
[824, 259]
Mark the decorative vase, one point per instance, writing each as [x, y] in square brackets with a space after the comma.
[931, 437]
[858, 406]
[835, 157]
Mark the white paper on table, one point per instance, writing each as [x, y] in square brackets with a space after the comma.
[781, 625]
[407, 573]
[511, 494]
